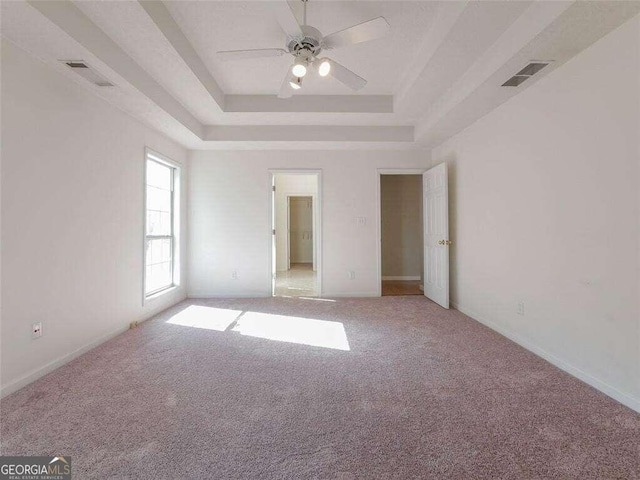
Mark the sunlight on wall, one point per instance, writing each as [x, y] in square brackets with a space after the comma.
[205, 317]
[305, 331]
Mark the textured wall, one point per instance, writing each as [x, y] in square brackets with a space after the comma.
[72, 218]
[230, 217]
[545, 211]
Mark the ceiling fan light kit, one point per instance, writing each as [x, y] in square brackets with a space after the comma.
[324, 67]
[305, 43]
[299, 68]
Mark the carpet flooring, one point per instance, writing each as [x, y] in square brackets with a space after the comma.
[285, 388]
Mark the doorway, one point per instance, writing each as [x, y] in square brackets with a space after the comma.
[401, 228]
[296, 225]
[429, 211]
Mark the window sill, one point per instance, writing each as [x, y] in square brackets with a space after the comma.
[161, 293]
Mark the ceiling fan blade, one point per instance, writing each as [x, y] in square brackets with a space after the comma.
[285, 89]
[287, 19]
[363, 32]
[346, 76]
[248, 54]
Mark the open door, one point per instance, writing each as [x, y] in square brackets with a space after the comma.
[436, 234]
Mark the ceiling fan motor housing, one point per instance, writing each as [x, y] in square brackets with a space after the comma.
[308, 46]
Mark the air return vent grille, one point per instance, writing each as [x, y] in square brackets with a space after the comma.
[88, 73]
[73, 64]
[524, 74]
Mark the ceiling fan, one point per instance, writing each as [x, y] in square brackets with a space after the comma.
[306, 43]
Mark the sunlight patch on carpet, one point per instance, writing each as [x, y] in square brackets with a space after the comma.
[305, 331]
[209, 318]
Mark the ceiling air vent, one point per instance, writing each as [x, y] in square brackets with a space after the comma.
[88, 73]
[524, 74]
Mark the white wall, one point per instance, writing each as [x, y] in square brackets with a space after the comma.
[72, 218]
[289, 185]
[545, 210]
[401, 219]
[229, 217]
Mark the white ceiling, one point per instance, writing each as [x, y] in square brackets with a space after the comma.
[439, 69]
[382, 62]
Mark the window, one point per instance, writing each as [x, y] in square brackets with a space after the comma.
[160, 225]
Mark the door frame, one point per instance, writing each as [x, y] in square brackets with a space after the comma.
[389, 171]
[317, 225]
[313, 223]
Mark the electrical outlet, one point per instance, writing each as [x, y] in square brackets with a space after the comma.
[351, 274]
[361, 221]
[520, 308]
[36, 330]
[234, 275]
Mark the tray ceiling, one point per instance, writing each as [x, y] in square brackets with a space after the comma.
[439, 69]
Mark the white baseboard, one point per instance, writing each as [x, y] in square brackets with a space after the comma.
[406, 277]
[32, 376]
[196, 295]
[622, 397]
[35, 374]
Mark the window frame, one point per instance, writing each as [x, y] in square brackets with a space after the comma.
[174, 237]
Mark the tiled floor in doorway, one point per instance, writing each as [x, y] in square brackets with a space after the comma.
[299, 281]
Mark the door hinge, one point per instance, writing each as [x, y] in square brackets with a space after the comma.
[273, 232]
[273, 188]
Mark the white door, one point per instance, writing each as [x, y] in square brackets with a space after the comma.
[436, 234]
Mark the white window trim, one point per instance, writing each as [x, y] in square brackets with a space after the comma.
[176, 210]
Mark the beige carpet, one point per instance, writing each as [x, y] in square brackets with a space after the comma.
[389, 388]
